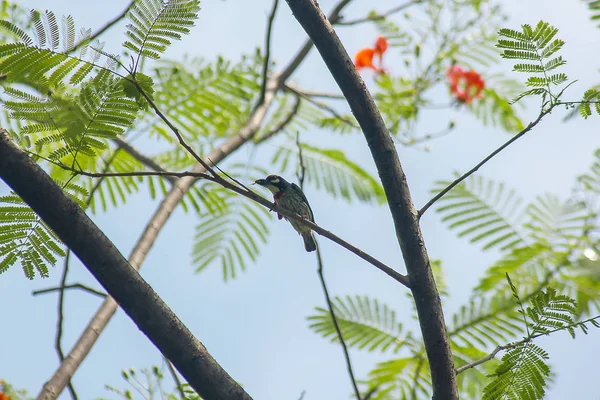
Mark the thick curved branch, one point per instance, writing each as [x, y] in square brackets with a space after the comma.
[404, 214]
[111, 269]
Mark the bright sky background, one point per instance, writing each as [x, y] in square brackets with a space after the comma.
[255, 326]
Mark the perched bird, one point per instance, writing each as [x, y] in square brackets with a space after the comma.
[289, 196]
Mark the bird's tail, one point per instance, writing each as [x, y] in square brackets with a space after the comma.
[309, 241]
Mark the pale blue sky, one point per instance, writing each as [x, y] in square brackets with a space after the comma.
[255, 325]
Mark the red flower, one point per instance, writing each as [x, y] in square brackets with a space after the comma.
[364, 57]
[465, 85]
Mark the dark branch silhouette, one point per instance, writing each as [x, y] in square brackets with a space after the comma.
[111, 269]
[404, 214]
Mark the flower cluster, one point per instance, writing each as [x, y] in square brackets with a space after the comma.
[364, 57]
[465, 85]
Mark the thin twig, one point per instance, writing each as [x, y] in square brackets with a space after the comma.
[229, 176]
[104, 28]
[322, 95]
[323, 106]
[301, 173]
[173, 129]
[377, 17]
[284, 122]
[528, 339]
[336, 325]
[485, 160]
[175, 378]
[265, 71]
[65, 287]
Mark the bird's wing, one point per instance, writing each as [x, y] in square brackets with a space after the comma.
[297, 188]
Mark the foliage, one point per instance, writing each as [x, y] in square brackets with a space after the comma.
[483, 211]
[25, 238]
[149, 382]
[536, 47]
[364, 322]
[231, 232]
[154, 23]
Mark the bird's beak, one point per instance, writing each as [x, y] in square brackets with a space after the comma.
[261, 182]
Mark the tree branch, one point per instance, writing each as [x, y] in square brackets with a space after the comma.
[73, 286]
[377, 17]
[283, 124]
[66, 369]
[404, 214]
[265, 71]
[485, 160]
[249, 194]
[111, 269]
[104, 28]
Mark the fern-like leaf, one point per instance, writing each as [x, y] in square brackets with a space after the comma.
[485, 211]
[364, 322]
[230, 234]
[154, 23]
[534, 44]
[25, 238]
[521, 375]
[39, 61]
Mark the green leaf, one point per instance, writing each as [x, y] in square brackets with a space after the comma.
[230, 234]
[485, 211]
[26, 239]
[522, 374]
[154, 23]
[364, 323]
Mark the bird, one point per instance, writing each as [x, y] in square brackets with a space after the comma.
[289, 196]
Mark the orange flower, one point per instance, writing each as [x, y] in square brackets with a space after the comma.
[3, 396]
[381, 45]
[364, 57]
[465, 85]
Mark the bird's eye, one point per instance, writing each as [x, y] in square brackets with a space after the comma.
[274, 180]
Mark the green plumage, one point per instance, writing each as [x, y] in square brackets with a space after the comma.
[290, 197]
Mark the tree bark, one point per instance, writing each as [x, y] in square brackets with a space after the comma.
[404, 214]
[115, 274]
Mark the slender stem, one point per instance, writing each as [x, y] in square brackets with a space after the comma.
[336, 325]
[284, 123]
[175, 378]
[301, 173]
[378, 17]
[265, 71]
[528, 339]
[103, 29]
[61, 289]
[482, 162]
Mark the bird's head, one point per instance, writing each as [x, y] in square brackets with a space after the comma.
[274, 183]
